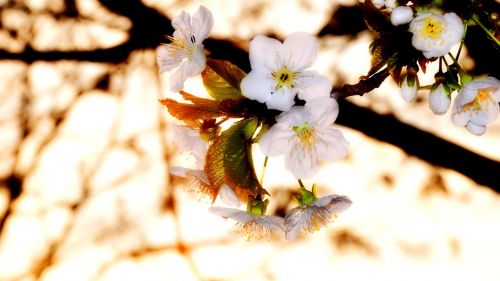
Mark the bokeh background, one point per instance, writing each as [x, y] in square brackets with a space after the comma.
[85, 192]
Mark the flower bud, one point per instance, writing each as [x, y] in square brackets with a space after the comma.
[401, 15]
[439, 98]
[409, 86]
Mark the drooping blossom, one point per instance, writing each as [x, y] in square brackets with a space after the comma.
[304, 135]
[279, 71]
[186, 53]
[434, 34]
[252, 223]
[401, 15]
[477, 104]
[313, 213]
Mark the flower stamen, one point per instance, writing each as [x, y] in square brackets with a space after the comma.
[431, 28]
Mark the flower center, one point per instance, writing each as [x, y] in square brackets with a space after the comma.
[432, 28]
[305, 133]
[183, 47]
[483, 100]
[284, 78]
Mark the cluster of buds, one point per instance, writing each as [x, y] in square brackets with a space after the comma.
[414, 33]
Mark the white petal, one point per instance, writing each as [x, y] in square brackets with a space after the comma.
[202, 23]
[460, 118]
[323, 110]
[477, 130]
[264, 52]
[166, 58]
[488, 114]
[283, 99]
[331, 145]
[188, 173]
[303, 163]
[189, 68]
[312, 85]
[401, 15]
[454, 28]
[439, 101]
[299, 51]
[276, 141]
[182, 25]
[188, 139]
[296, 116]
[294, 222]
[228, 197]
[235, 214]
[339, 204]
[256, 86]
[271, 222]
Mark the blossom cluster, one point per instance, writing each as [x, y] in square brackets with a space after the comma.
[434, 30]
[281, 81]
[288, 109]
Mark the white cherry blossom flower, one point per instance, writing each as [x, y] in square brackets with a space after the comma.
[251, 225]
[304, 135]
[186, 52]
[434, 34]
[279, 71]
[401, 15]
[200, 185]
[477, 104]
[314, 213]
[439, 100]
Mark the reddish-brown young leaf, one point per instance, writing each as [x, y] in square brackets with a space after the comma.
[189, 112]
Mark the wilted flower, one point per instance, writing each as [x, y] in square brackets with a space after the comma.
[305, 136]
[434, 34]
[186, 52]
[439, 99]
[279, 71]
[313, 213]
[409, 86]
[252, 223]
[477, 104]
[401, 15]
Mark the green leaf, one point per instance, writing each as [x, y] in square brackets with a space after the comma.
[222, 79]
[229, 160]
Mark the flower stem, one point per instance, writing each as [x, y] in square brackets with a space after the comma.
[263, 172]
[462, 42]
[476, 20]
[301, 184]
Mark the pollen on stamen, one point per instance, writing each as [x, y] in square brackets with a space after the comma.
[253, 230]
